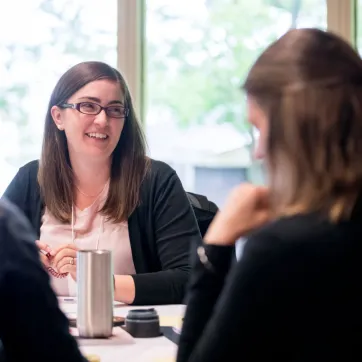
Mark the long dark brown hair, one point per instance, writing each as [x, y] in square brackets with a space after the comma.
[309, 84]
[129, 161]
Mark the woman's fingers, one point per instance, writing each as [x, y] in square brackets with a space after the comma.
[60, 248]
[43, 246]
[63, 254]
[68, 268]
[247, 208]
[66, 262]
[61, 259]
[68, 265]
[44, 259]
[44, 252]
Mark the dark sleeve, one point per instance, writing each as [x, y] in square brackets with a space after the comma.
[234, 313]
[31, 323]
[17, 190]
[204, 289]
[175, 230]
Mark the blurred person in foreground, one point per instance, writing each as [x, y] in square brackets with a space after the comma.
[32, 327]
[295, 294]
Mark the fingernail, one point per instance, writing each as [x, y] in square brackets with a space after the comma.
[52, 252]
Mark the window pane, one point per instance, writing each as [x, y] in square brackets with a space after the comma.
[37, 45]
[199, 51]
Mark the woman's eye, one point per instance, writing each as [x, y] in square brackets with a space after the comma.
[115, 110]
[88, 106]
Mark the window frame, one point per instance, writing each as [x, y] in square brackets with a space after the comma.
[131, 41]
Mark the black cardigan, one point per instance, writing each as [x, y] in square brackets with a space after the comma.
[295, 296]
[161, 230]
[32, 327]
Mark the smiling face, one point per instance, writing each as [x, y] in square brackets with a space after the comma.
[90, 135]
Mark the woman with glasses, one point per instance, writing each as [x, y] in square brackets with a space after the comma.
[94, 188]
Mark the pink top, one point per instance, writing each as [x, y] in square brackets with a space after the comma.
[89, 226]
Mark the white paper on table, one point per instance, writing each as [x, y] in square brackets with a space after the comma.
[68, 306]
[119, 337]
[73, 300]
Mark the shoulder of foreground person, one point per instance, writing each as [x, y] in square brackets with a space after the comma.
[282, 266]
[304, 230]
[15, 226]
[31, 322]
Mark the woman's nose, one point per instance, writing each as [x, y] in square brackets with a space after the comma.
[101, 118]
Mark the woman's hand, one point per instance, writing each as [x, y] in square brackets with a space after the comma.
[44, 249]
[64, 259]
[246, 209]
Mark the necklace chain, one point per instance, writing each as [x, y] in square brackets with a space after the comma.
[83, 193]
[101, 230]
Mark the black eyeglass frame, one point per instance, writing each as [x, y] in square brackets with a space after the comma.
[77, 107]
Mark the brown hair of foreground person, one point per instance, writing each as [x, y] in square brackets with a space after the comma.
[314, 108]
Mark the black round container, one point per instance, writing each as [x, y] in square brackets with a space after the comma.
[143, 323]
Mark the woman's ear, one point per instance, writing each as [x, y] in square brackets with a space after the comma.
[57, 117]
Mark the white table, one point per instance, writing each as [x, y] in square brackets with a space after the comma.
[158, 349]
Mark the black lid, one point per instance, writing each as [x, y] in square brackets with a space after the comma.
[142, 314]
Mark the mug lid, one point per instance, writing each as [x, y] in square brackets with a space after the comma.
[142, 314]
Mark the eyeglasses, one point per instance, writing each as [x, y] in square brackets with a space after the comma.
[116, 111]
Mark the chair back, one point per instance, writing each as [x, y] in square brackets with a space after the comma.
[204, 210]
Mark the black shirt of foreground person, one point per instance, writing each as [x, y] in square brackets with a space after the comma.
[32, 327]
[295, 296]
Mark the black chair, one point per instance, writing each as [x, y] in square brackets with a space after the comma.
[204, 210]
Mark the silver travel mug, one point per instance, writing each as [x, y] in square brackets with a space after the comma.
[95, 293]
